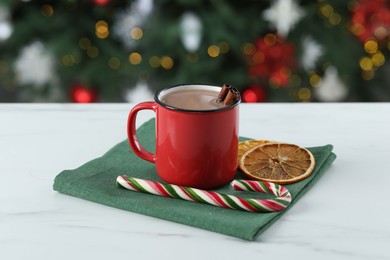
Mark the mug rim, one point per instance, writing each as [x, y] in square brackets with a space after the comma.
[160, 92]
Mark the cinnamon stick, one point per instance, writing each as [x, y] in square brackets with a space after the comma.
[231, 97]
[228, 95]
[223, 93]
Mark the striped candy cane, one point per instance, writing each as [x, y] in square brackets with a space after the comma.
[282, 200]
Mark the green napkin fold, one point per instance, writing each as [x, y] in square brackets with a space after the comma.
[95, 181]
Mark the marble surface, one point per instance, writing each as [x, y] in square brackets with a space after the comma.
[344, 216]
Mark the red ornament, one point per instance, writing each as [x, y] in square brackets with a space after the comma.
[101, 2]
[371, 19]
[272, 60]
[254, 94]
[81, 94]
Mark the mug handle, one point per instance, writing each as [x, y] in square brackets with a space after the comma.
[132, 132]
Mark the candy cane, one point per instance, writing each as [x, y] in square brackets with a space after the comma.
[213, 198]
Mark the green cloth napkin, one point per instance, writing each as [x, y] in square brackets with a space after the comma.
[95, 181]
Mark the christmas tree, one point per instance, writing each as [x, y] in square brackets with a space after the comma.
[117, 51]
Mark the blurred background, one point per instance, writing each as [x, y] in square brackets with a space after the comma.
[123, 51]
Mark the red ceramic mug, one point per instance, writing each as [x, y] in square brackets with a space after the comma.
[194, 147]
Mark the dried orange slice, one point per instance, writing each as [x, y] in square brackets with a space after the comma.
[246, 145]
[280, 163]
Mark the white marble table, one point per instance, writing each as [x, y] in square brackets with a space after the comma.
[344, 216]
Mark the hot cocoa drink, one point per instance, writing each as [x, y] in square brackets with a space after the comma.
[192, 99]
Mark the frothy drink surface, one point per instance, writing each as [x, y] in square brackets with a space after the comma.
[192, 99]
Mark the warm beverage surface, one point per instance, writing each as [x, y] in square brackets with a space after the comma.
[193, 99]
